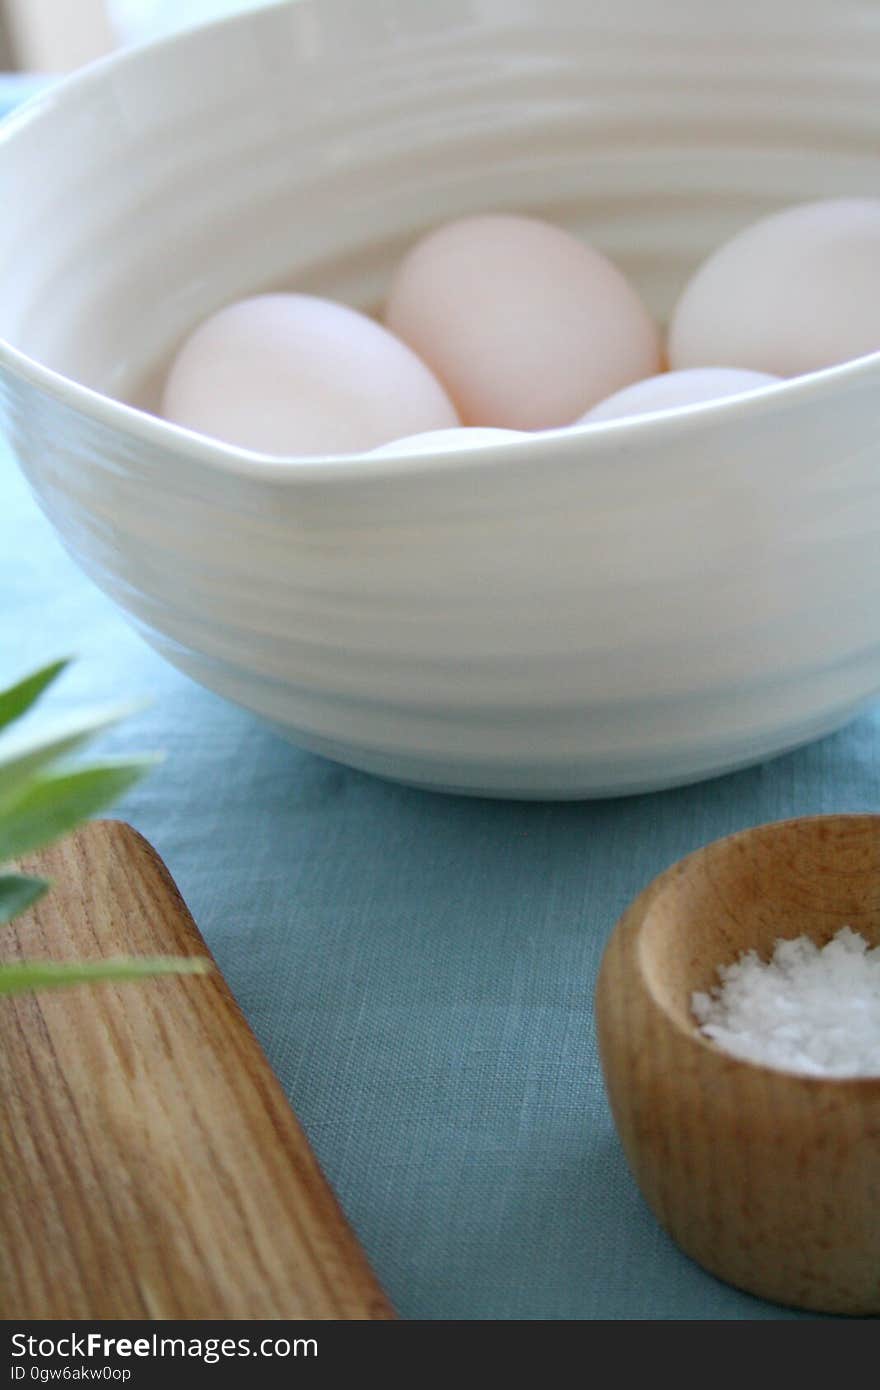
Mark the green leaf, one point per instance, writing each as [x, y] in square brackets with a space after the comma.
[17, 892]
[17, 699]
[22, 755]
[27, 975]
[54, 802]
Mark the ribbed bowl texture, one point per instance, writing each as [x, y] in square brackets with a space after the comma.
[585, 614]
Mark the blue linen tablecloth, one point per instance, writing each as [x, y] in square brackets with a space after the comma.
[419, 968]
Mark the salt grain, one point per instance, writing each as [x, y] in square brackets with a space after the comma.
[809, 1009]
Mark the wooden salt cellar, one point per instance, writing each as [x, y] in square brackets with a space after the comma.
[769, 1180]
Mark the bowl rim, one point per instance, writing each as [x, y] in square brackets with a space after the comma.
[581, 440]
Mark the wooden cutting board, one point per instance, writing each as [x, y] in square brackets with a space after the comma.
[150, 1165]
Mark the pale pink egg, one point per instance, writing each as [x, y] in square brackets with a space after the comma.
[672, 390]
[792, 293]
[525, 325]
[467, 437]
[292, 374]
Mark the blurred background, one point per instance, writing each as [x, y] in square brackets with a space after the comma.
[59, 35]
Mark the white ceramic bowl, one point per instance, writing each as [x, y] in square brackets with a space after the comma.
[583, 614]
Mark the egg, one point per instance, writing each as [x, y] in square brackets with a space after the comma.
[294, 374]
[672, 390]
[525, 325]
[792, 293]
[467, 437]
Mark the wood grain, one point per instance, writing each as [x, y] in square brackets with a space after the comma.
[150, 1165]
[769, 1180]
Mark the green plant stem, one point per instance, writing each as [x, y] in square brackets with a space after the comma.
[28, 975]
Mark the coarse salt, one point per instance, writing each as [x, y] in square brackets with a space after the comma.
[809, 1009]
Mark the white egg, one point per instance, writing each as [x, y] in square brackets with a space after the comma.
[525, 325]
[795, 292]
[292, 374]
[672, 390]
[461, 439]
